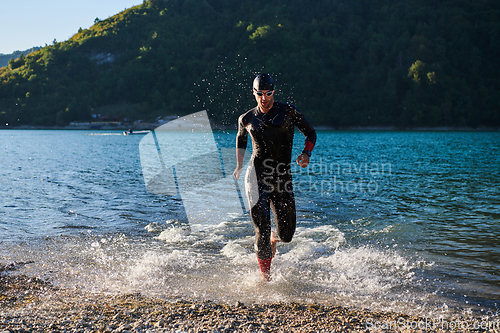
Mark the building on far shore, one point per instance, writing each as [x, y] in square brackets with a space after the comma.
[80, 125]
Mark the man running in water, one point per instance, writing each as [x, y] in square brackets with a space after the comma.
[269, 179]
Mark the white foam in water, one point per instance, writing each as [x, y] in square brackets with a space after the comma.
[311, 268]
[218, 263]
[234, 250]
[313, 241]
[364, 270]
[155, 270]
[155, 227]
[175, 235]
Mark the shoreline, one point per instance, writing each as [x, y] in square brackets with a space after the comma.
[31, 304]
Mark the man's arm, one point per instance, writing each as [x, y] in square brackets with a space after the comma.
[310, 133]
[240, 154]
[241, 146]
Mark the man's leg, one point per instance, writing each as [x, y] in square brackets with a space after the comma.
[284, 211]
[274, 240]
[283, 206]
[260, 214]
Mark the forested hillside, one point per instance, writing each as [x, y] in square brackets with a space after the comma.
[402, 63]
[4, 58]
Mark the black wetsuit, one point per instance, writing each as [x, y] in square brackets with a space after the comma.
[272, 141]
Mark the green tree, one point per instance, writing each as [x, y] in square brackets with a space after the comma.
[417, 72]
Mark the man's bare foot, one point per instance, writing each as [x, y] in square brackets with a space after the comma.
[273, 243]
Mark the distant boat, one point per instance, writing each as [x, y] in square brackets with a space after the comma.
[131, 132]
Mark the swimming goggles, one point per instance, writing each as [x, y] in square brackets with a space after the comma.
[261, 93]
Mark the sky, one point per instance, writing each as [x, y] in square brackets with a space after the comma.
[28, 23]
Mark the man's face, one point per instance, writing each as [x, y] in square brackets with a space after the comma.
[265, 102]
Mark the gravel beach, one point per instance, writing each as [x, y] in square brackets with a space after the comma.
[29, 304]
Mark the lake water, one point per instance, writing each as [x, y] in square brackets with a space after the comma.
[399, 221]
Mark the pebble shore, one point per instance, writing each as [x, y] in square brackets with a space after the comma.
[29, 304]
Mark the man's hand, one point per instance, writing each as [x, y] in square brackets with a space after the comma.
[237, 172]
[303, 160]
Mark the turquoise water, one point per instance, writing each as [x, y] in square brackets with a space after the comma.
[401, 221]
